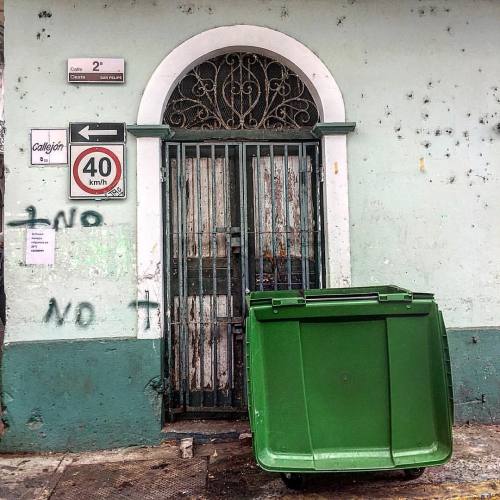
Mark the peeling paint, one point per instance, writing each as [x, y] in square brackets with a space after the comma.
[35, 421]
[154, 391]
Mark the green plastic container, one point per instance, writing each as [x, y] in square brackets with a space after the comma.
[348, 379]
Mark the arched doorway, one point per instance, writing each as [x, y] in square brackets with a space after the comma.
[151, 159]
[243, 211]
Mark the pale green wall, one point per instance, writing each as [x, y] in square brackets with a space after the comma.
[432, 230]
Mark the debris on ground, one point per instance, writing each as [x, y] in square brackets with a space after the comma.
[186, 447]
[228, 470]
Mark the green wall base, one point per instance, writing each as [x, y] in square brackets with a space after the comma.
[475, 365]
[81, 395]
[97, 394]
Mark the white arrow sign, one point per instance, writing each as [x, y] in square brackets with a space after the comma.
[86, 132]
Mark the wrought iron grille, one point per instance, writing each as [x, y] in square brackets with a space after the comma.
[238, 217]
[241, 91]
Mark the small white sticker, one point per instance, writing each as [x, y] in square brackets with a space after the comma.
[40, 247]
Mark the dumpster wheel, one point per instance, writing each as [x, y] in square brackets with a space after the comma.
[413, 473]
[293, 481]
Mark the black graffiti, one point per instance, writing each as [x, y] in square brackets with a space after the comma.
[89, 218]
[84, 313]
[54, 310]
[31, 221]
[62, 214]
[145, 304]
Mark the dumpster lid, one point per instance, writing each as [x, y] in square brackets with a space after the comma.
[382, 293]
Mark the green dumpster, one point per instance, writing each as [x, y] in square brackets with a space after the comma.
[348, 379]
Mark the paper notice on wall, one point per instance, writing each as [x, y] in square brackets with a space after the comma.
[40, 246]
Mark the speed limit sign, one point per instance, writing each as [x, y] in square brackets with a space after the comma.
[97, 171]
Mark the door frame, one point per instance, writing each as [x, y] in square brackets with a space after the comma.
[330, 104]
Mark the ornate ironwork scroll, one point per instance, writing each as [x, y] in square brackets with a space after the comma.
[241, 91]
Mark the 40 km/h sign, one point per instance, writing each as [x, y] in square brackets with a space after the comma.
[97, 171]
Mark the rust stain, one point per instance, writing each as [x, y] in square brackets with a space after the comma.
[336, 168]
[421, 165]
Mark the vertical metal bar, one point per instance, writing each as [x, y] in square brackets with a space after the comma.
[229, 302]
[243, 225]
[260, 208]
[302, 210]
[319, 221]
[287, 222]
[180, 272]
[245, 280]
[168, 369]
[184, 278]
[306, 212]
[273, 217]
[201, 340]
[215, 326]
[179, 275]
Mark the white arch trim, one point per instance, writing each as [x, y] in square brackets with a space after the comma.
[330, 103]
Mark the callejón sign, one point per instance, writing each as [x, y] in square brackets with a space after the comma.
[49, 147]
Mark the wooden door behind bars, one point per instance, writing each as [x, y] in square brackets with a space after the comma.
[238, 217]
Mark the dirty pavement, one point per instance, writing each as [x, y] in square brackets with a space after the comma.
[227, 470]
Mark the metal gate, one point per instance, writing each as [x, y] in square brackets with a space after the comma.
[237, 217]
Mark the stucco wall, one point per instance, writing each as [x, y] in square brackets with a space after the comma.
[81, 395]
[420, 79]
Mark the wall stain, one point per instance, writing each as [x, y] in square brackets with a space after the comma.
[191, 8]
[42, 34]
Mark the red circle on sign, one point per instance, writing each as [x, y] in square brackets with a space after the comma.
[97, 149]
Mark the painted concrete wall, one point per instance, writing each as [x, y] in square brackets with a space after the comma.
[81, 395]
[420, 78]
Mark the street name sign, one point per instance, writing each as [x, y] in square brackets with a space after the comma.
[49, 146]
[88, 132]
[97, 171]
[96, 70]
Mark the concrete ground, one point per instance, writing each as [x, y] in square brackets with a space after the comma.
[227, 470]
